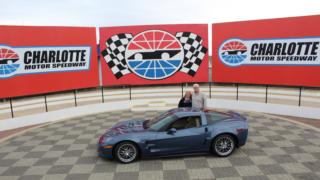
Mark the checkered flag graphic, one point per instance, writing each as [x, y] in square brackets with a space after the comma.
[114, 54]
[194, 52]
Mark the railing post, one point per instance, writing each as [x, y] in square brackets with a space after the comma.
[102, 94]
[237, 91]
[300, 91]
[266, 99]
[129, 92]
[11, 107]
[181, 89]
[45, 102]
[75, 98]
[210, 90]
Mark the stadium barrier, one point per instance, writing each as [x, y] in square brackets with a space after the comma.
[293, 96]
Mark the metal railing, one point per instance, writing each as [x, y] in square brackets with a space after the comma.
[261, 93]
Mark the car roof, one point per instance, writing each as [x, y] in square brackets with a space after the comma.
[178, 110]
[183, 111]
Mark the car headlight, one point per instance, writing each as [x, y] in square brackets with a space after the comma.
[108, 139]
[104, 139]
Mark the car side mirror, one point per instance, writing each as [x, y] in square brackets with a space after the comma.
[172, 131]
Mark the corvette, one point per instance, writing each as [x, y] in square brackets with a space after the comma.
[179, 131]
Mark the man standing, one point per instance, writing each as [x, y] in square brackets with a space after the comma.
[199, 99]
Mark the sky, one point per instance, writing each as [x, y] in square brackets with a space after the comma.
[135, 12]
[101, 13]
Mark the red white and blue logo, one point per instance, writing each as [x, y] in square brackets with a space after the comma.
[233, 52]
[154, 54]
[9, 61]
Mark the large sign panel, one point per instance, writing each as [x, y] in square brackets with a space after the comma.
[278, 51]
[157, 54]
[42, 60]
[46, 59]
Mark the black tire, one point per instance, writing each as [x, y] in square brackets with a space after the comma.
[126, 152]
[223, 145]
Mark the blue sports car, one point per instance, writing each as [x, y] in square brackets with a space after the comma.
[176, 132]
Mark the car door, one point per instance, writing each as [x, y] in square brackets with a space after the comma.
[189, 137]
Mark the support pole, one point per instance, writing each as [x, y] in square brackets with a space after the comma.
[210, 90]
[102, 94]
[300, 91]
[181, 89]
[75, 98]
[130, 92]
[237, 91]
[45, 102]
[11, 107]
[266, 99]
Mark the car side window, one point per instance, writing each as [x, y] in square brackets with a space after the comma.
[185, 123]
[213, 117]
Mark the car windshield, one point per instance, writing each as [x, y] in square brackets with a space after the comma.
[158, 122]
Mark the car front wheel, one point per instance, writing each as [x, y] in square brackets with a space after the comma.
[223, 145]
[126, 152]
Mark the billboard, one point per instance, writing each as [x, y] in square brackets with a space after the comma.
[283, 51]
[154, 54]
[37, 60]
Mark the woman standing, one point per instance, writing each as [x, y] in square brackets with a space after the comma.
[186, 101]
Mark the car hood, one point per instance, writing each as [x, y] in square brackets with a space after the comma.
[124, 127]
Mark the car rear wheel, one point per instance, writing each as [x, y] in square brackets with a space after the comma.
[126, 152]
[223, 145]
